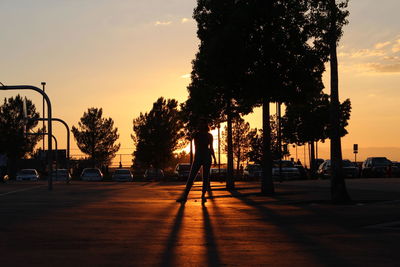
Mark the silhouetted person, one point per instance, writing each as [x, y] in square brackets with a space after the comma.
[203, 143]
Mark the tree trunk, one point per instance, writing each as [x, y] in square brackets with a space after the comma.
[219, 151]
[267, 186]
[238, 158]
[279, 132]
[230, 184]
[191, 151]
[312, 159]
[338, 186]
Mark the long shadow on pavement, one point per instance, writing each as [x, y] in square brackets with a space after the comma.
[169, 253]
[324, 255]
[212, 248]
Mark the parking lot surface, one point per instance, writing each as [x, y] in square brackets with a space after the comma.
[140, 224]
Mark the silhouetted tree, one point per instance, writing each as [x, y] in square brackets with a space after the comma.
[220, 65]
[329, 17]
[13, 126]
[285, 66]
[158, 134]
[96, 137]
[255, 136]
[241, 141]
[255, 153]
[308, 121]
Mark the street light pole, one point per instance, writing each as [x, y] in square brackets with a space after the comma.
[50, 130]
[43, 115]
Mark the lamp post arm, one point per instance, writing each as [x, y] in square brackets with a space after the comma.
[50, 130]
[68, 131]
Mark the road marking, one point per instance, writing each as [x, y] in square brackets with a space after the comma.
[21, 190]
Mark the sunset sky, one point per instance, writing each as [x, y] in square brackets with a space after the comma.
[122, 55]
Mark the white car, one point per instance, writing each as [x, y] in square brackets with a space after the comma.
[122, 175]
[60, 175]
[91, 174]
[27, 174]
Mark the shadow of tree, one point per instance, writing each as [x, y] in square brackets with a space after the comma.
[324, 255]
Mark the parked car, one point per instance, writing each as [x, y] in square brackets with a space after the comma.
[182, 170]
[218, 174]
[91, 174]
[318, 163]
[375, 167]
[287, 172]
[302, 171]
[27, 174]
[60, 175]
[252, 171]
[395, 172]
[350, 169]
[153, 174]
[122, 175]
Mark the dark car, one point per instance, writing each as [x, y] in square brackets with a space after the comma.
[27, 174]
[153, 174]
[60, 175]
[218, 174]
[395, 170]
[376, 167]
[285, 170]
[350, 170]
[122, 175]
[252, 171]
[91, 174]
[182, 170]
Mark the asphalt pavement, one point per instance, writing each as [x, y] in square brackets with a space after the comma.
[140, 224]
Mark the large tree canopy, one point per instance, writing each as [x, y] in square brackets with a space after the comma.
[309, 120]
[220, 67]
[13, 139]
[96, 137]
[158, 134]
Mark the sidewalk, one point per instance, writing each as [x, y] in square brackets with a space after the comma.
[140, 224]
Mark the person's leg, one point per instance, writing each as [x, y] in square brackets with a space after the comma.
[206, 178]
[193, 172]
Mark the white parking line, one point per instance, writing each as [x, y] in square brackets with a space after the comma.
[16, 191]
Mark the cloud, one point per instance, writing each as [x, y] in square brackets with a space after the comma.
[185, 20]
[385, 68]
[382, 45]
[162, 23]
[396, 46]
[367, 53]
[392, 58]
[185, 76]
